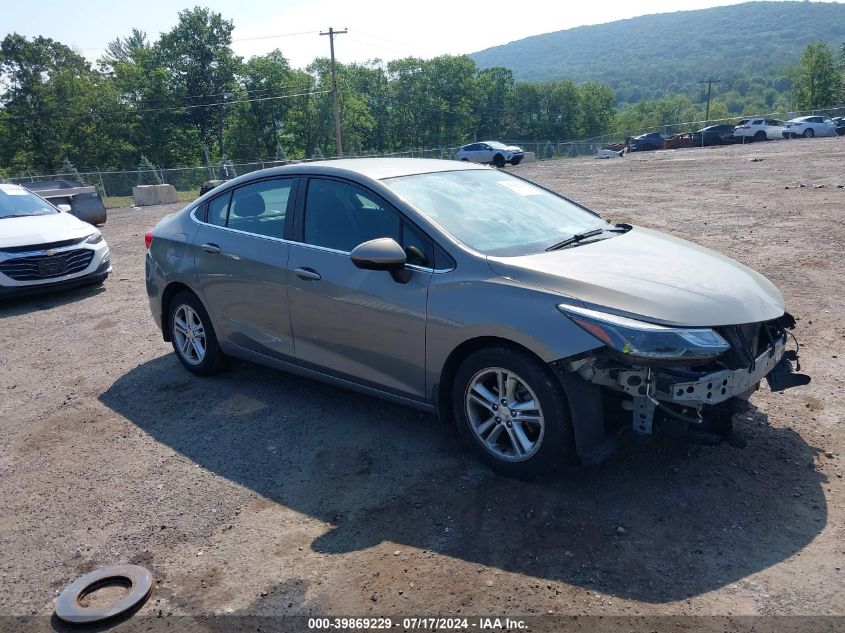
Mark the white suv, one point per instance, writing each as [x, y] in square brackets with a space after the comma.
[491, 152]
[759, 129]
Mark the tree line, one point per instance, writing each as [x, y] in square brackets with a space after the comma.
[187, 99]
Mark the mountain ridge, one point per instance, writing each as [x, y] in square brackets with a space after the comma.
[673, 52]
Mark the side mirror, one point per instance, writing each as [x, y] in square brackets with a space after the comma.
[383, 253]
[64, 208]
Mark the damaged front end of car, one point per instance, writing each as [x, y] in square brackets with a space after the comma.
[687, 382]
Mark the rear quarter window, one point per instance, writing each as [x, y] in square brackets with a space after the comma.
[218, 210]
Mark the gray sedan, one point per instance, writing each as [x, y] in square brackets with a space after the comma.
[542, 330]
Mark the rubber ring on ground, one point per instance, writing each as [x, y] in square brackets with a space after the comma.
[70, 610]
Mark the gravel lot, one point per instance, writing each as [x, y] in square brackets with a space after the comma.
[256, 492]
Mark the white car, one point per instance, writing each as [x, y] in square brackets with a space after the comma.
[491, 152]
[43, 247]
[809, 126]
[758, 129]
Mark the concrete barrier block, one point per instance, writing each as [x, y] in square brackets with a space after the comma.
[529, 157]
[146, 195]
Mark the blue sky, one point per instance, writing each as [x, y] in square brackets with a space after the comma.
[384, 29]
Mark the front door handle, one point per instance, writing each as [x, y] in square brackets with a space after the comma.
[309, 274]
[211, 248]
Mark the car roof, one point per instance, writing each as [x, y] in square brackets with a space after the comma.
[372, 168]
[379, 168]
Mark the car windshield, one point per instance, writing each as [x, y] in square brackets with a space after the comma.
[16, 201]
[496, 144]
[493, 212]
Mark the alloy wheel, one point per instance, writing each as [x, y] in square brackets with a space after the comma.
[505, 414]
[189, 334]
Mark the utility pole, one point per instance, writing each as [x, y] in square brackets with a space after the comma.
[222, 149]
[709, 83]
[331, 33]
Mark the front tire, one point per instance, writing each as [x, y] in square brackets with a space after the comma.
[499, 161]
[760, 135]
[809, 133]
[511, 410]
[516, 161]
[192, 335]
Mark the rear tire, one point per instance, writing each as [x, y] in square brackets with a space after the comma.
[760, 135]
[809, 133]
[499, 161]
[192, 335]
[528, 434]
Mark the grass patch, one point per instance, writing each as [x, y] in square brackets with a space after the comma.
[117, 202]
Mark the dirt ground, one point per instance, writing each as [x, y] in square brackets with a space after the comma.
[256, 492]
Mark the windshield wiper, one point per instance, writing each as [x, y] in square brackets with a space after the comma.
[578, 237]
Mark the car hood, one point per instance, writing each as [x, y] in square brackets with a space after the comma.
[41, 229]
[652, 276]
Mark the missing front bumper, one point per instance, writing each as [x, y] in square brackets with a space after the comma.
[686, 399]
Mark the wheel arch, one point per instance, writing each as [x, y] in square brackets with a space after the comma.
[592, 444]
[443, 390]
[171, 290]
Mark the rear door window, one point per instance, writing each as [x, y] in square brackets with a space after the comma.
[261, 207]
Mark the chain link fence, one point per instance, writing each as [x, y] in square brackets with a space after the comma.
[116, 186]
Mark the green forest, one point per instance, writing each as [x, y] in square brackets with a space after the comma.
[187, 99]
[748, 46]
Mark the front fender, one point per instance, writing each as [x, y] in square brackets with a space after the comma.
[464, 308]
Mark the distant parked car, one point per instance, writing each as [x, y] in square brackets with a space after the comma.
[44, 247]
[758, 129]
[809, 126]
[491, 152]
[714, 135]
[647, 142]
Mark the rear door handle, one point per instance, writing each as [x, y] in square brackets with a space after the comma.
[211, 248]
[309, 274]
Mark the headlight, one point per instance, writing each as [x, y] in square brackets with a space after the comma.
[95, 238]
[647, 341]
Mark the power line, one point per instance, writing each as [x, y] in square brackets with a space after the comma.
[188, 107]
[269, 37]
[296, 86]
[387, 48]
[402, 50]
[236, 39]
